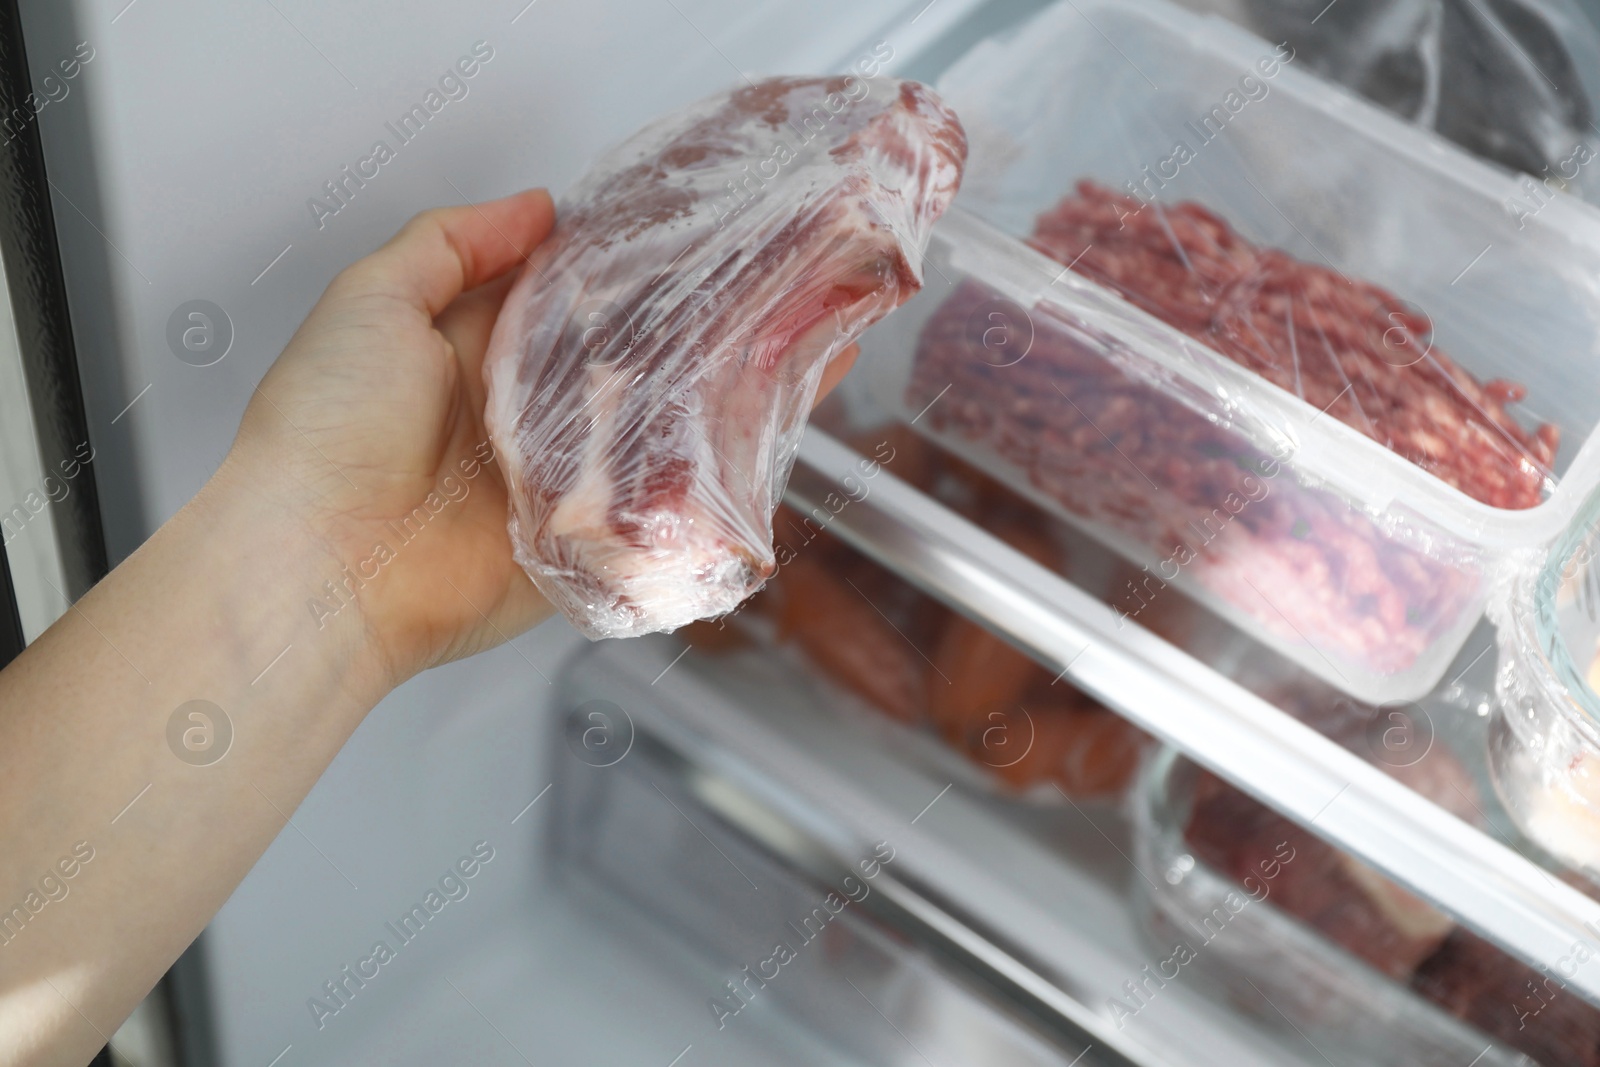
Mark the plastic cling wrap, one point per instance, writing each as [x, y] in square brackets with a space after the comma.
[1355, 351]
[650, 374]
[1171, 474]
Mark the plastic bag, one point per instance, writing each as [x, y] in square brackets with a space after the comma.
[1504, 79]
[650, 374]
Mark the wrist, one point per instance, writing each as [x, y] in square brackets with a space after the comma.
[266, 536]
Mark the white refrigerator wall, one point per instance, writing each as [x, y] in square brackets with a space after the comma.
[184, 155]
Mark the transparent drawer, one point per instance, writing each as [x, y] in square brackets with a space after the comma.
[995, 934]
[1309, 939]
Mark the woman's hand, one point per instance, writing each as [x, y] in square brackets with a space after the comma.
[370, 428]
[172, 720]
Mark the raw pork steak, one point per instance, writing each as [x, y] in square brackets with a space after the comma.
[651, 371]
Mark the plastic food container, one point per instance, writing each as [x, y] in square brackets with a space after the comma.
[1544, 738]
[1269, 964]
[1350, 559]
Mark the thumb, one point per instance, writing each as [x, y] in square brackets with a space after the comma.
[443, 252]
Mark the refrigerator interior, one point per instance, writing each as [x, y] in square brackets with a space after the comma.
[184, 161]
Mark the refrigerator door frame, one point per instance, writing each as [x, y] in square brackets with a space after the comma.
[1492, 889]
[40, 390]
[54, 545]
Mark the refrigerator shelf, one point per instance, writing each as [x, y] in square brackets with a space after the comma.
[775, 795]
[1489, 886]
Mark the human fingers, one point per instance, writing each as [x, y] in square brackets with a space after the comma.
[469, 320]
[444, 252]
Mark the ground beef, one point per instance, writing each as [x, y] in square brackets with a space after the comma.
[1344, 346]
[1154, 473]
[1083, 420]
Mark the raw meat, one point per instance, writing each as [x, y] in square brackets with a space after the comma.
[924, 665]
[1348, 902]
[981, 673]
[845, 635]
[650, 373]
[1353, 906]
[1529, 1010]
[985, 673]
[1074, 745]
[1347, 347]
[1162, 476]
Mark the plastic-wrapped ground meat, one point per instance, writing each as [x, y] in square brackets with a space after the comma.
[1345, 346]
[1111, 448]
[1157, 473]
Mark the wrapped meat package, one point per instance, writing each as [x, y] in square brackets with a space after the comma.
[650, 374]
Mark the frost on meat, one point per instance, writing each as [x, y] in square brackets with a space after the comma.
[1093, 427]
[650, 374]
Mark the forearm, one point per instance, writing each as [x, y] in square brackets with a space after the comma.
[361, 460]
[215, 607]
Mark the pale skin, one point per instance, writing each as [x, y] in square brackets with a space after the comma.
[376, 400]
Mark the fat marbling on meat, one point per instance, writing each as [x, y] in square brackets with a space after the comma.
[650, 374]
